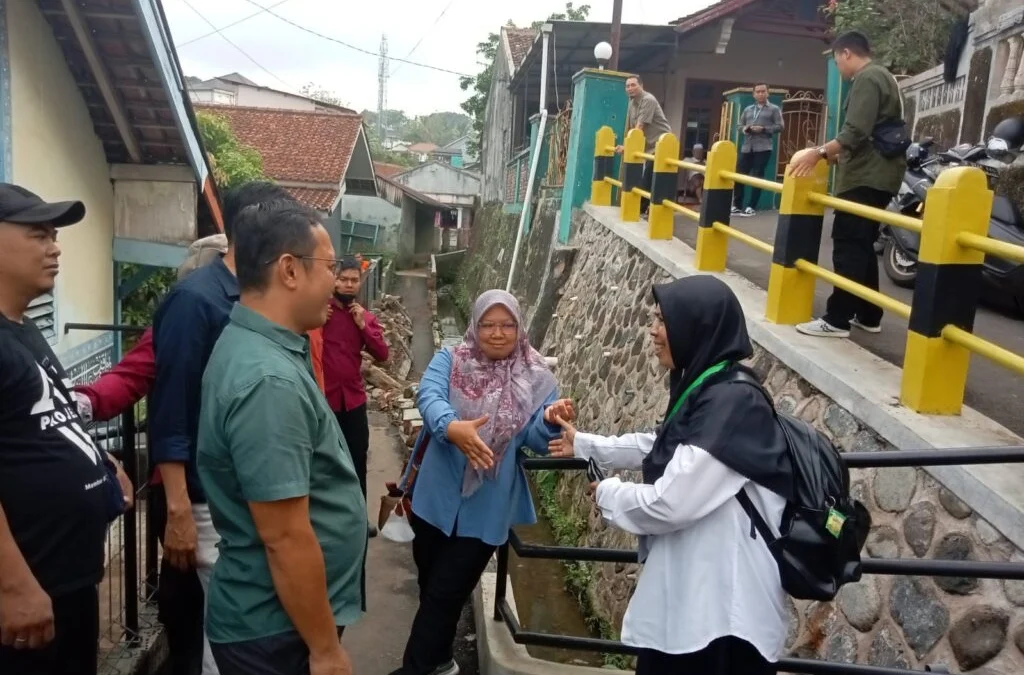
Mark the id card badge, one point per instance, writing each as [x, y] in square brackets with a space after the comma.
[834, 523]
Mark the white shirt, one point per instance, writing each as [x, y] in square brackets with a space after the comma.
[705, 577]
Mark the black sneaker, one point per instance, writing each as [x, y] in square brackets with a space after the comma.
[371, 530]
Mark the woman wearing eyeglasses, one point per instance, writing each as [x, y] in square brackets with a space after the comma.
[482, 402]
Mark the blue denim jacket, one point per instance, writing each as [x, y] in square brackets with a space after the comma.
[498, 504]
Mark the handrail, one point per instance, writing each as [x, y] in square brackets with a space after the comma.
[869, 212]
[852, 287]
[952, 249]
[752, 181]
[881, 566]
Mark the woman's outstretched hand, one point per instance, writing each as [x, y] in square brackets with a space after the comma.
[563, 445]
[466, 438]
[561, 408]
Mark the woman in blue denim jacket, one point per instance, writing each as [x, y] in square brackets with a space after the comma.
[482, 402]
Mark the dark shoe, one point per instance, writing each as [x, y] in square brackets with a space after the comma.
[371, 530]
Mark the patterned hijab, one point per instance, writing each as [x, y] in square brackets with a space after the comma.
[509, 391]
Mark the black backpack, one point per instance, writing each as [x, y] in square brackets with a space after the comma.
[823, 529]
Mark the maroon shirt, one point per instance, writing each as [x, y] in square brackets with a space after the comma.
[343, 346]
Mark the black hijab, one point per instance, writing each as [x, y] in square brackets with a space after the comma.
[732, 421]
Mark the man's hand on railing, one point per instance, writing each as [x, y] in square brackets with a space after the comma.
[125, 482]
[618, 149]
[803, 162]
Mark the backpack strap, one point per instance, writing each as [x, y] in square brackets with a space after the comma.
[757, 521]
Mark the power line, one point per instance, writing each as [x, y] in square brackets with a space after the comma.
[233, 23]
[351, 46]
[424, 35]
[243, 52]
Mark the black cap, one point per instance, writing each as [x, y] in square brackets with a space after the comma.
[19, 206]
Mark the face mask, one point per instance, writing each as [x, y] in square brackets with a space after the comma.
[344, 298]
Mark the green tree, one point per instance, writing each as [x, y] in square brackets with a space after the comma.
[233, 164]
[479, 85]
[321, 94]
[907, 36]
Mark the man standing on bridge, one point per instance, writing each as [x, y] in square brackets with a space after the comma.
[868, 173]
[645, 114]
[760, 122]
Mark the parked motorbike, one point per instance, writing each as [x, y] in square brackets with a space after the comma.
[899, 247]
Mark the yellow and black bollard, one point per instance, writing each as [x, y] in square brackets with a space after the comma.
[797, 237]
[604, 163]
[946, 292]
[713, 246]
[663, 187]
[632, 175]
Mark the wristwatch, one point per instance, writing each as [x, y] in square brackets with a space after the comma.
[823, 152]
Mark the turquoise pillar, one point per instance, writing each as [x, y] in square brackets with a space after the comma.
[599, 99]
[836, 91]
[736, 101]
[542, 165]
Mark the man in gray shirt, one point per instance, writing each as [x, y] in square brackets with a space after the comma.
[759, 123]
[645, 114]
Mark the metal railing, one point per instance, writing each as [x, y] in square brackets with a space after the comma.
[129, 586]
[953, 247]
[883, 566]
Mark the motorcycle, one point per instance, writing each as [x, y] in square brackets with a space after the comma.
[899, 247]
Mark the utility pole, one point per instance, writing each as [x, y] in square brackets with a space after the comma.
[382, 88]
[616, 34]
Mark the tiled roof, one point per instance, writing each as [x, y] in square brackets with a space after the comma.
[711, 13]
[388, 170]
[311, 147]
[519, 42]
[422, 147]
[322, 200]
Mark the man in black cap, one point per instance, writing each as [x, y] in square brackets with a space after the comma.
[58, 492]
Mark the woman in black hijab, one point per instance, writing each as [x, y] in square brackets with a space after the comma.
[709, 600]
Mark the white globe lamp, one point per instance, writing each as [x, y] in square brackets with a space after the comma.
[603, 54]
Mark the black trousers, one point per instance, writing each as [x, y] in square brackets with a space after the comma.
[750, 164]
[645, 183]
[285, 654]
[74, 650]
[448, 569]
[725, 656]
[180, 602]
[853, 256]
[356, 427]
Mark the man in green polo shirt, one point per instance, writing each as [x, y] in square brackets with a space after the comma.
[283, 493]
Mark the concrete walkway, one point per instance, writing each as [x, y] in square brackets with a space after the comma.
[376, 643]
[991, 389]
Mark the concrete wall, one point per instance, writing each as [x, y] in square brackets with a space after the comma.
[376, 211]
[57, 155]
[497, 124]
[439, 179]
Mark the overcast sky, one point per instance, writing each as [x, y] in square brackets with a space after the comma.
[441, 33]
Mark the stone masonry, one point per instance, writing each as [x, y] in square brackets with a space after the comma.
[599, 335]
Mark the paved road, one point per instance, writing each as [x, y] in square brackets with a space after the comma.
[991, 390]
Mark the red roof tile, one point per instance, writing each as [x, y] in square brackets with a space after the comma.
[312, 147]
[388, 170]
[322, 200]
[702, 17]
[422, 147]
[519, 42]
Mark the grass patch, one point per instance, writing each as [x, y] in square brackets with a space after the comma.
[570, 529]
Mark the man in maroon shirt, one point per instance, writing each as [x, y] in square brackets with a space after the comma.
[349, 329]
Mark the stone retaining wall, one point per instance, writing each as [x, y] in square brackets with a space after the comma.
[599, 336]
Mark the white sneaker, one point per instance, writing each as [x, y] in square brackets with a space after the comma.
[748, 212]
[821, 328]
[735, 211]
[450, 668]
[855, 322]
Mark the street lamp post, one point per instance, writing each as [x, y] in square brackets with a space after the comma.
[616, 33]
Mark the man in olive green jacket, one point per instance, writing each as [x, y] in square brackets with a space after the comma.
[864, 176]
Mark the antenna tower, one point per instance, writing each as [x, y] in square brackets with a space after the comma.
[382, 87]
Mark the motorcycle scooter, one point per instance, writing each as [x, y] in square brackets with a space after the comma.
[899, 247]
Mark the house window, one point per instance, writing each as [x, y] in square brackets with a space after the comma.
[43, 312]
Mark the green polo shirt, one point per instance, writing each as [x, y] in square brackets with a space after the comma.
[266, 434]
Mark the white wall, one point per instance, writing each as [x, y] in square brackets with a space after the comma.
[375, 211]
[781, 61]
[57, 155]
[435, 178]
